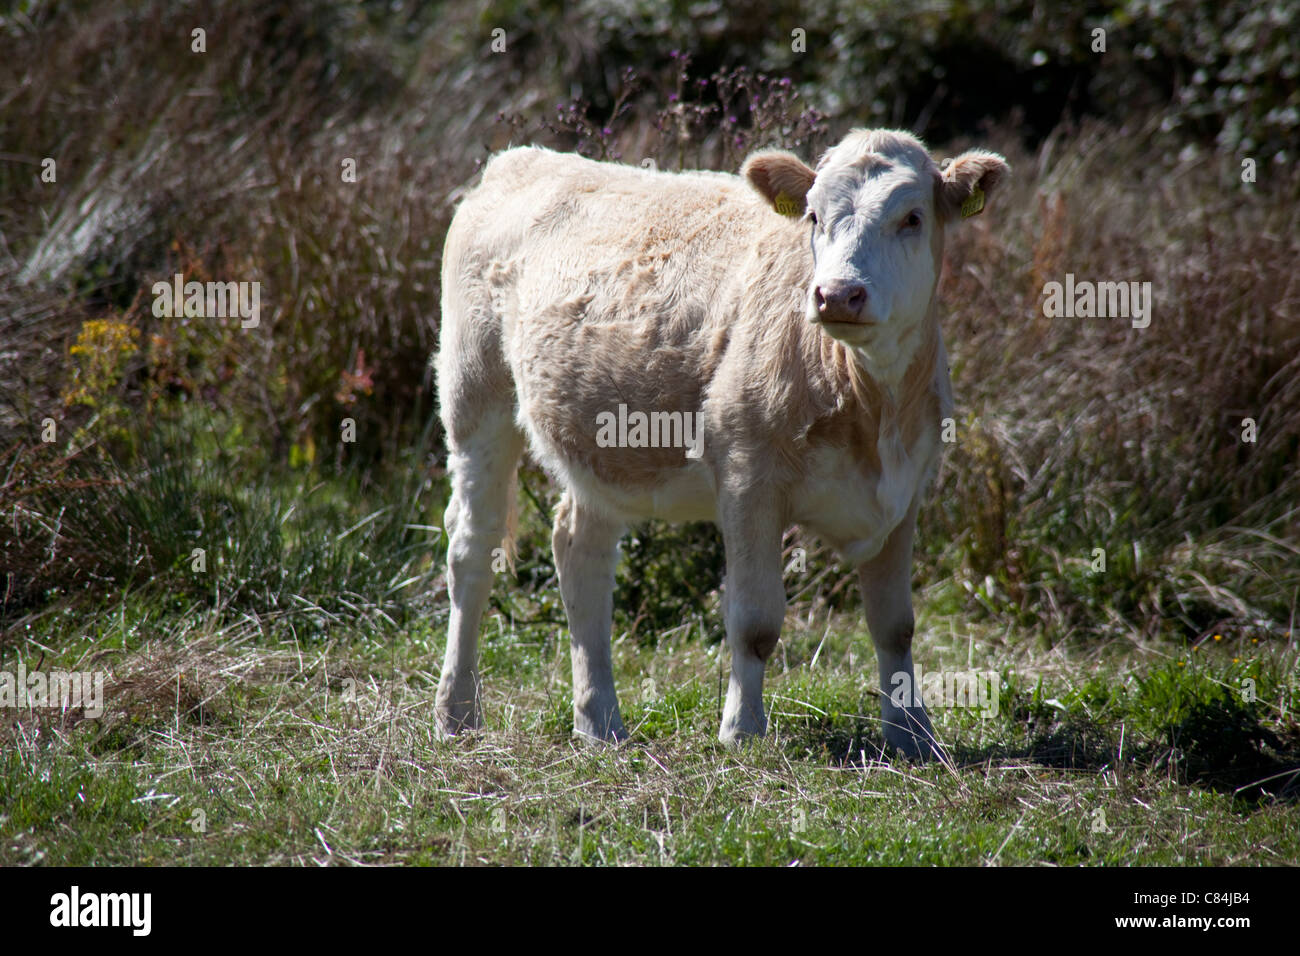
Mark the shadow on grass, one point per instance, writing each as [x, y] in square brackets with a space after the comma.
[1219, 746]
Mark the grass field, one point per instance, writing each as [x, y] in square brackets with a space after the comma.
[240, 745]
[303, 734]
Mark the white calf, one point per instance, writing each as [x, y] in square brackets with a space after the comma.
[598, 313]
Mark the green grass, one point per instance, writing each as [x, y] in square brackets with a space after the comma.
[229, 738]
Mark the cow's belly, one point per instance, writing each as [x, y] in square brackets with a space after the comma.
[855, 513]
[688, 493]
[612, 407]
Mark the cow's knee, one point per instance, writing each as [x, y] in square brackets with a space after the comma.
[758, 636]
[888, 606]
[894, 637]
[754, 623]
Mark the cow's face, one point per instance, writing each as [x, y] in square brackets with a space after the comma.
[875, 209]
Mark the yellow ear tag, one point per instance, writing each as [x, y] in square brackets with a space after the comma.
[785, 205]
[974, 204]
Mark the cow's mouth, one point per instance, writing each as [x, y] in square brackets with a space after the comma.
[840, 329]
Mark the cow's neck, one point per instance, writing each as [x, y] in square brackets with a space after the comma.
[877, 422]
[892, 384]
[889, 366]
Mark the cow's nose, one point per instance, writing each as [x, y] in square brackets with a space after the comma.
[841, 301]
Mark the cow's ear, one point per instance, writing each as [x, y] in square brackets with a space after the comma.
[968, 181]
[781, 178]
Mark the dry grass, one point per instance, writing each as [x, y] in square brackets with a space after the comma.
[1083, 433]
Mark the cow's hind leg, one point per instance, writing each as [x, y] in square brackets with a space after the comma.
[887, 594]
[482, 464]
[586, 552]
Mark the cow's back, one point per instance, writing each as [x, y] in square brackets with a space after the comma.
[633, 240]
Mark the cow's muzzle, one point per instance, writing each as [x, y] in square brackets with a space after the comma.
[844, 301]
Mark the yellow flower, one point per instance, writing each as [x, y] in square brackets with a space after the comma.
[100, 350]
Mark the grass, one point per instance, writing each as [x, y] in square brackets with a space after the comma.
[300, 736]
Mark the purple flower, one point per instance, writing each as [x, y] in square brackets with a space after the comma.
[605, 131]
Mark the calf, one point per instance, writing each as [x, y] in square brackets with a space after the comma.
[758, 351]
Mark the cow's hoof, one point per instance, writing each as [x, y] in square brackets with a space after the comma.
[454, 721]
[740, 736]
[914, 747]
[607, 731]
[909, 734]
[916, 750]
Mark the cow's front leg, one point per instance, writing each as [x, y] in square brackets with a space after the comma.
[887, 594]
[754, 607]
[586, 551]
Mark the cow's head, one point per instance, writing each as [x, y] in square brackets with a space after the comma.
[875, 207]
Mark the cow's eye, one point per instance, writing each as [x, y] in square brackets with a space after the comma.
[812, 217]
[913, 220]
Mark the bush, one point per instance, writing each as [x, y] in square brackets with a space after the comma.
[170, 511]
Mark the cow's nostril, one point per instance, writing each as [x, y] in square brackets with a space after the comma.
[839, 300]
